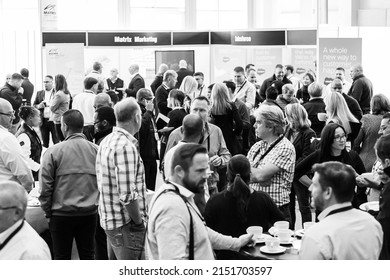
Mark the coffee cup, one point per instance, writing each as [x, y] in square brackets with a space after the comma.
[307, 225]
[272, 243]
[321, 117]
[281, 225]
[257, 231]
[284, 235]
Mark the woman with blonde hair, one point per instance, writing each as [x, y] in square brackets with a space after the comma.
[224, 114]
[188, 86]
[337, 111]
[300, 135]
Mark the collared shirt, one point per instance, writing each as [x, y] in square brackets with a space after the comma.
[169, 228]
[201, 91]
[13, 166]
[347, 235]
[48, 96]
[120, 177]
[283, 156]
[246, 92]
[25, 245]
[84, 103]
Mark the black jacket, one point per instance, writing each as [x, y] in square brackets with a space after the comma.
[11, 94]
[135, 84]
[28, 90]
[384, 218]
[146, 136]
[268, 82]
[313, 107]
[302, 143]
[181, 74]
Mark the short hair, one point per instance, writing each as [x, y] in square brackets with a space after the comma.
[102, 99]
[126, 109]
[231, 85]
[182, 63]
[248, 66]
[380, 104]
[199, 74]
[97, 66]
[192, 126]
[162, 68]
[202, 98]
[315, 89]
[339, 176]
[177, 95]
[271, 93]
[290, 67]
[382, 147]
[89, 82]
[298, 115]
[210, 87]
[272, 116]
[358, 68]
[239, 69]
[16, 192]
[279, 66]
[184, 155]
[288, 87]
[106, 113]
[336, 82]
[134, 67]
[27, 111]
[49, 76]
[74, 120]
[16, 76]
[143, 93]
[24, 72]
[168, 74]
[340, 69]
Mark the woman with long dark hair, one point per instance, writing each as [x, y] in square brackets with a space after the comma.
[303, 93]
[233, 210]
[60, 103]
[332, 148]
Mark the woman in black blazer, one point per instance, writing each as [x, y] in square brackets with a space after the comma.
[300, 134]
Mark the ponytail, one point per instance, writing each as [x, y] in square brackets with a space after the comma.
[241, 193]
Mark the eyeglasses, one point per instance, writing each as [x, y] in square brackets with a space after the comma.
[10, 114]
[46, 82]
[340, 137]
[9, 207]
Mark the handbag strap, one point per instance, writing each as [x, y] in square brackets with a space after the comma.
[269, 148]
[192, 242]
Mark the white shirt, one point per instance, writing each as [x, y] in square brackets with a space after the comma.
[99, 77]
[13, 166]
[246, 92]
[348, 235]
[25, 245]
[202, 91]
[168, 160]
[84, 103]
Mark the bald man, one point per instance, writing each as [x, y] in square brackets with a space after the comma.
[361, 88]
[102, 100]
[353, 105]
[13, 166]
[136, 83]
[120, 174]
[18, 240]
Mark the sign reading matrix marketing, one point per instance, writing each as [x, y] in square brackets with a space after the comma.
[129, 39]
[337, 52]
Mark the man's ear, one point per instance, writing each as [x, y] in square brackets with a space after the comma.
[328, 193]
[179, 171]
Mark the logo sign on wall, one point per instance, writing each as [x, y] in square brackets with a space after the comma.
[337, 52]
[68, 60]
[265, 60]
[49, 14]
[303, 59]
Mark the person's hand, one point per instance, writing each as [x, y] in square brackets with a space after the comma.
[372, 182]
[215, 160]
[21, 90]
[361, 182]
[246, 239]
[149, 106]
[121, 89]
[42, 105]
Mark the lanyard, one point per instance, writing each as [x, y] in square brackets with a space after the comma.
[241, 87]
[2, 245]
[343, 209]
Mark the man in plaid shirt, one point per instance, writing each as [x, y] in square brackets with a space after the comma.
[120, 176]
[272, 158]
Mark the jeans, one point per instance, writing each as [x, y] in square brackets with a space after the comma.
[64, 228]
[46, 128]
[303, 195]
[126, 242]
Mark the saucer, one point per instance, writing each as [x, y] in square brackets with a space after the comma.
[278, 250]
[300, 233]
[289, 242]
[372, 205]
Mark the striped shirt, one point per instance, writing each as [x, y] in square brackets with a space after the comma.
[283, 156]
[120, 177]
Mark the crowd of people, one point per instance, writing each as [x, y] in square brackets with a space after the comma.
[233, 154]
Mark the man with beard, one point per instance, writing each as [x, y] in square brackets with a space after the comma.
[278, 79]
[176, 229]
[343, 233]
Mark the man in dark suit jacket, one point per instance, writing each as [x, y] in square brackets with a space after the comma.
[182, 72]
[42, 103]
[277, 79]
[162, 92]
[136, 83]
[27, 86]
